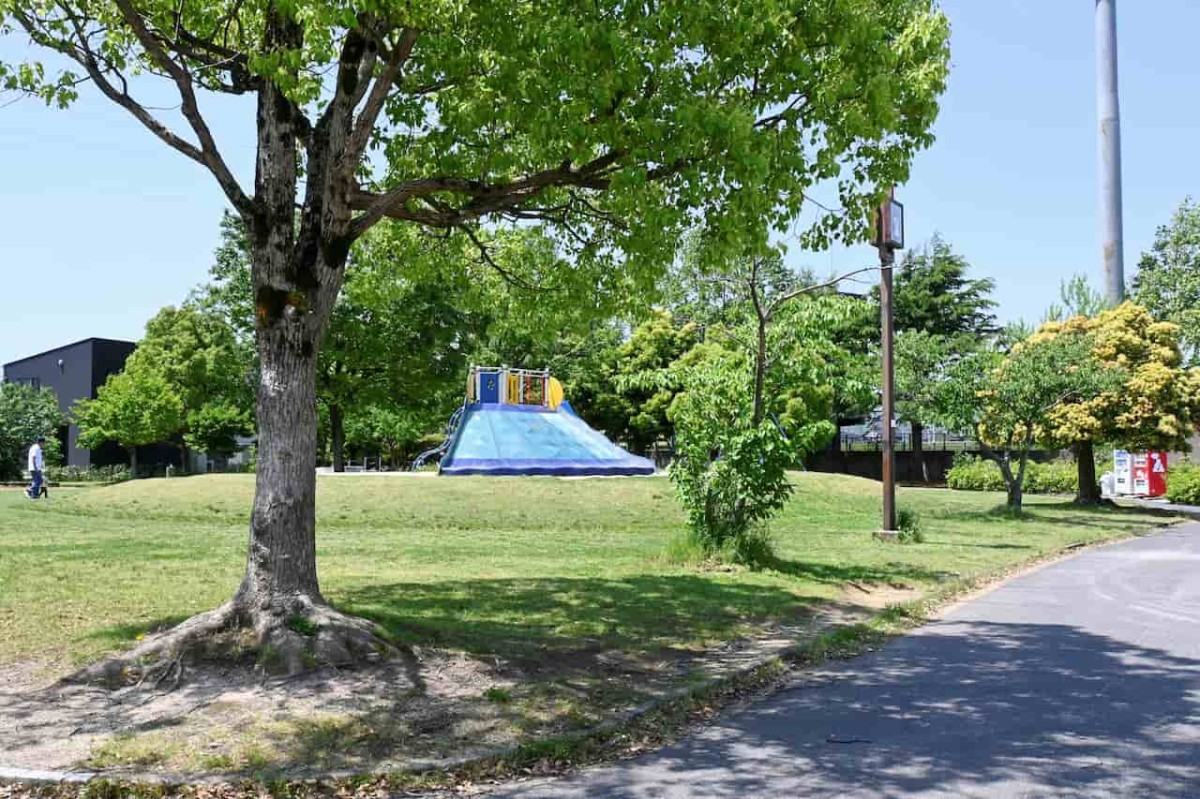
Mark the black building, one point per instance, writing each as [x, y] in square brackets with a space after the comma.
[74, 372]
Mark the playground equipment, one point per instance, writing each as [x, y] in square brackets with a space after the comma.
[517, 422]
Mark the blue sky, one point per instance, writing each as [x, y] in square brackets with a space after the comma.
[101, 225]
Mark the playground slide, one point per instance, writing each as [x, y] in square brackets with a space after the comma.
[503, 439]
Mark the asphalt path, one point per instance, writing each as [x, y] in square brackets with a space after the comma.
[1081, 678]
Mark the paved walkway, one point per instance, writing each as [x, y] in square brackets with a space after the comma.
[1079, 679]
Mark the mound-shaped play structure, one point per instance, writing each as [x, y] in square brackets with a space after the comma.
[516, 422]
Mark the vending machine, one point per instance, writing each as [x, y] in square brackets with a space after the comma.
[1156, 478]
[1122, 473]
[1140, 474]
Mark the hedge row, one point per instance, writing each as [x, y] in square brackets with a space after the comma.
[972, 473]
[1183, 484]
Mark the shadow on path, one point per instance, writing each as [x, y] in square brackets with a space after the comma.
[957, 709]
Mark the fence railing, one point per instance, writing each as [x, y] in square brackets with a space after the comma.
[904, 443]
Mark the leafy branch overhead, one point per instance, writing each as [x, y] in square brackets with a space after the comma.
[570, 114]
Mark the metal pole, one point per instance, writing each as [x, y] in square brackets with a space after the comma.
[886, 259]
[1108, 105]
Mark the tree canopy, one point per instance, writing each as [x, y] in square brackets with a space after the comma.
[134, 408]
[1157, 404]
[25, 414]
[933, 293]
[1168, 278]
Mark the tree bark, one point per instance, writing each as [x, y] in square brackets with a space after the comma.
[133, 464]
[760, 371]
[918, 449]
[337, 434]
[1088, 492]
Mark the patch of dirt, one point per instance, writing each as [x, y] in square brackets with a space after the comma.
[877, 596]
[229, 719]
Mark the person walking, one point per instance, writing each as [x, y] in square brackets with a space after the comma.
[37, 464]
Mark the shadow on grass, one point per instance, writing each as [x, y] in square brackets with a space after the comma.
[1066, 512]
[842, 574]
[122, 635]
[540, 617]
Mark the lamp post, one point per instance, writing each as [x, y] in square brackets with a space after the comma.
[889, 237]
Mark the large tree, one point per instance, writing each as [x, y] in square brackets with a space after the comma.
[607, 126]
[1168, 278]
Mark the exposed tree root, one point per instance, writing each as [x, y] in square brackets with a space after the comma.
[286, 639]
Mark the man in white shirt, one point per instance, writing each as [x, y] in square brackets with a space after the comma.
[37, 464]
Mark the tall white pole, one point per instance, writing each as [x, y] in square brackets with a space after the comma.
[1108, 105]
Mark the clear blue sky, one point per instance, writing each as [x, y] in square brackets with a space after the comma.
[100, 225]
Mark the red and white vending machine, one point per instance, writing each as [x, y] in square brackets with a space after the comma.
[1149, 474]
[1140, 474]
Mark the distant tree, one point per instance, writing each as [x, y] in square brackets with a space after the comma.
[636, 409]
[25, 414]
[1076, 298]
[134, 408]
[1156, 406]
[1006, 400]
[200, 357]
[1168, 278]
[934, 295]
[229, 291]
[214, 428]
[922, 362]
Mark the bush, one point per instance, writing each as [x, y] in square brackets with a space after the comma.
[908, 522]
[90, 474]
[972, 473]
[1183, 484]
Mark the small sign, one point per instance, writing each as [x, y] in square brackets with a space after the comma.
[889, 226]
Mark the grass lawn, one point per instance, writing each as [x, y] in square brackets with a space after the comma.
[534, 571]
[484, 565]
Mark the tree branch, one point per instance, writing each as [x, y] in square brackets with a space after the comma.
[485, 255]
[81, 53]
[791, 295]
[210, 155]
[388, 76]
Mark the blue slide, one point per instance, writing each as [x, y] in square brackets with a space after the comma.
[500, 439]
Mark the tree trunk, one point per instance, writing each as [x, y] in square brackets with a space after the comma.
[337, 434]
[918, 449]
[760, 372]
[282, 565]
[1088, 492]
[133, 464]
[297, 273]
[1014, 482]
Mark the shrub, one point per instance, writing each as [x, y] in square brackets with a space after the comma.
[90, 474]
[972, 473]
[1183, 484]
[908, 522]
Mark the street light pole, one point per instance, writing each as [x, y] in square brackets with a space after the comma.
[1108, 106]
[889, 237]
[887, 258]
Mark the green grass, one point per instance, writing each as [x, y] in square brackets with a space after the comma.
[526, 568]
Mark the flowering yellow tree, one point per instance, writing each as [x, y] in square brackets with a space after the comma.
[1156, 406]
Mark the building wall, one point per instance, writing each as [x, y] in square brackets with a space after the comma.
[74, 372]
